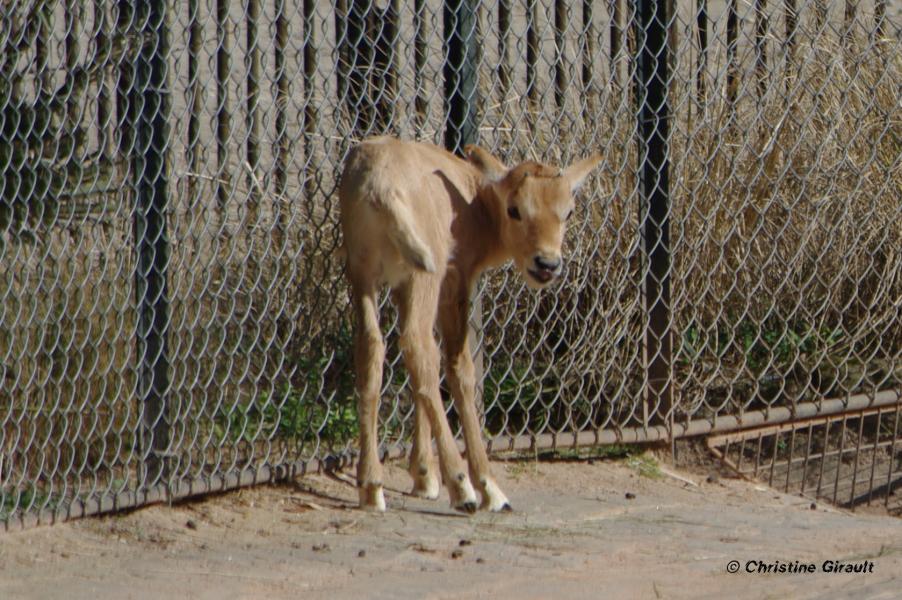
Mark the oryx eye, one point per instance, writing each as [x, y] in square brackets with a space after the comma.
[514, 213]
[569, 214]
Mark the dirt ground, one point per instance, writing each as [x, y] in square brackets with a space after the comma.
[630, 528]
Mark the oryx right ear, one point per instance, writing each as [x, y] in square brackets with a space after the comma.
[578, 171]
[491, 168]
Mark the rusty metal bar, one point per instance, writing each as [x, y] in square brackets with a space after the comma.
[656, 433]
[857, 455]
[874, 455]
[820, 475]
[892, 457]
[842, 445]
[807, 457]
[773, 459]
[816, 455]
[758, 454]
[792, 445]
[726, 448]
[741, 452]
[845, 484]
[791, 425]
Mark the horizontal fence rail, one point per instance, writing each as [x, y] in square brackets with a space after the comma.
[173, 312]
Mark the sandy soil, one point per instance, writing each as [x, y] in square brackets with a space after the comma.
[610, 529]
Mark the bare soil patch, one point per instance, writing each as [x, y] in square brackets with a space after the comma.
[609, 529]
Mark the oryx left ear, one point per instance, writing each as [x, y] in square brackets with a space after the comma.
[492, 169]
[578, 171]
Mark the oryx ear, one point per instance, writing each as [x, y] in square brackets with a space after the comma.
[491, 168]
[578, 171]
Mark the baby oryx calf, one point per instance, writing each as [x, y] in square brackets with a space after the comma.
[428, 224]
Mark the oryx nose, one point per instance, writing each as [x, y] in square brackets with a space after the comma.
[547, 263]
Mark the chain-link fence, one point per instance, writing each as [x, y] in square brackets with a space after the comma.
[173, 317]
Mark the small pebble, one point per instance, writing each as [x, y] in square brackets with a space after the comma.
[361, 554]
[591, 461]
[630, 496]
[480, 560]
[190, 524]
[464, 543]
[813, 506]
[712, 478]
[320, 547]
[457, 554]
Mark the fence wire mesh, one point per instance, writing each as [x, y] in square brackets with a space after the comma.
[173, 316]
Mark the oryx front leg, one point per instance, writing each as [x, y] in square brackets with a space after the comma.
[418, 304]
[461, 379]
[369, 354]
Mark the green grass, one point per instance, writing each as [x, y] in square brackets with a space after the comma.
[31, 497]
[605, 452]
[645, 466]
[318, 404]
[291, 414]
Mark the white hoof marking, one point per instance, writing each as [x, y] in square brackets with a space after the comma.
[427, 487]
[493, 498]
[372, 498]
[465, 499]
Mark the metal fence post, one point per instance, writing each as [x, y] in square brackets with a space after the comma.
[459, 25]
[654, 199]
[151, 183]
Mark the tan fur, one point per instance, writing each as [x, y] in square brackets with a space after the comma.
[428, 224]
